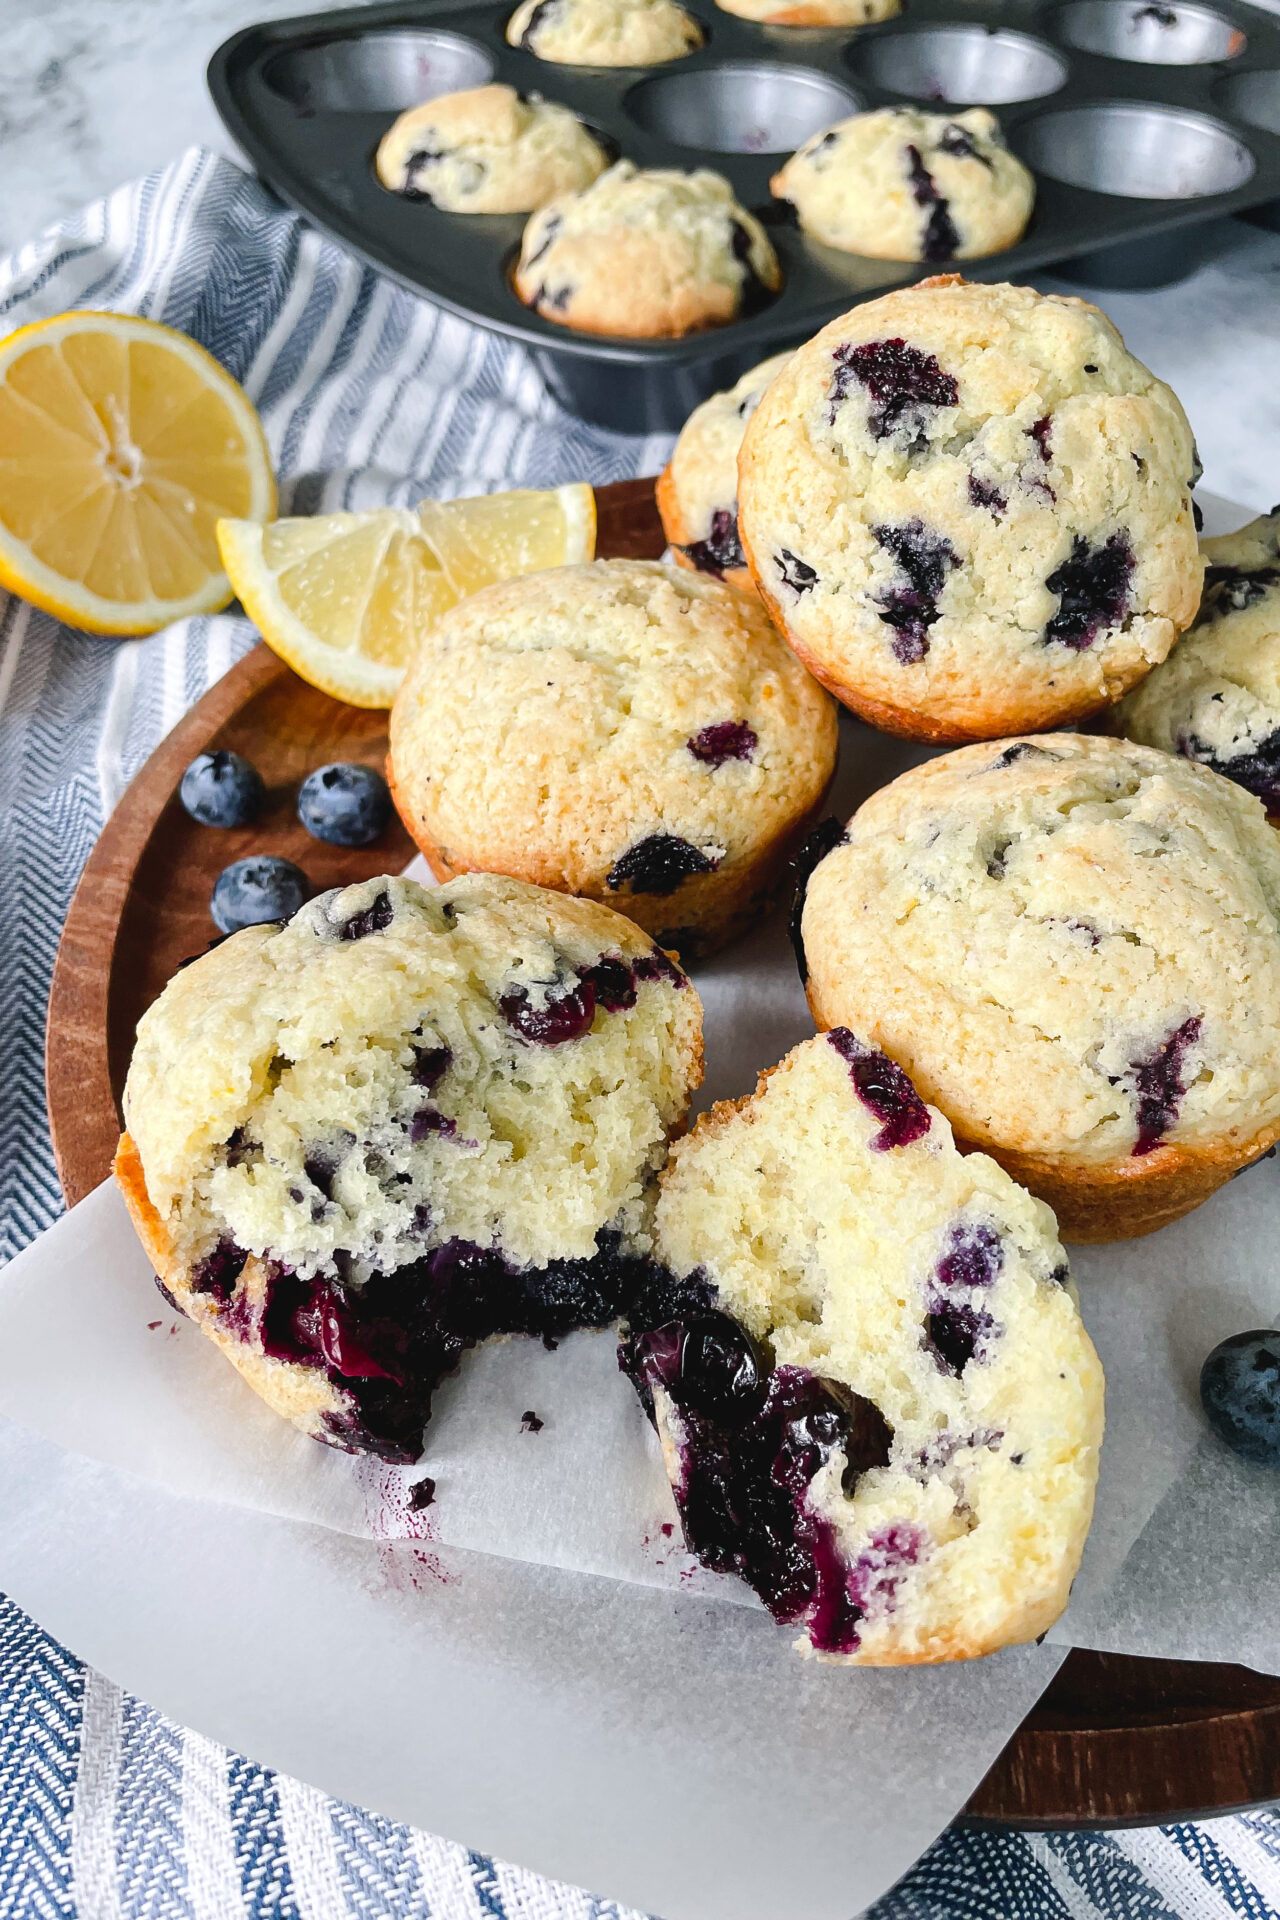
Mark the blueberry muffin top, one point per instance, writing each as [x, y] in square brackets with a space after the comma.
[586, 724]
[398, 1069]
[969, 509]
[698, 492]
[1071, 944]
[1216, 698]
[812, 13]
[489, 150]
[604, 33]
[875, 1396]
[647, 255]
[903, 184]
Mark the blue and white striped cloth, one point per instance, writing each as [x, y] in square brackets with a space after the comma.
[108, 1811]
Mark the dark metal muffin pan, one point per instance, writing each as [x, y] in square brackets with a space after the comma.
[1142, 122]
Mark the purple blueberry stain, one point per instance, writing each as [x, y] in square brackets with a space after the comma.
[812, 851]
[1159, 1085]
[722, 741]
[428, 1121]
[940, 235]
[559, 1018]
[974, 1256]
[985, 494]
[721, 551]
[794, 573]
[905, 387]
[1041, 433]
[657, 865]
[430, 1064]
[375, 918]
[659, 966]
[613, 981]
[884, 1089]
[218, 1273]
[925, 558]
[750, 1443]
[955, 1334]
[1093, 589]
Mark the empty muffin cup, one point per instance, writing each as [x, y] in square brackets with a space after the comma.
[1141, 152]
[377, 72]
[1154, 34]
[963, 66]
[740, 108]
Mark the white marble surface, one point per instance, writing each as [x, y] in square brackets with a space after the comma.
[93, 92]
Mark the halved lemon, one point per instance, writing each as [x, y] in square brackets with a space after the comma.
[122, 443]
[347, 598]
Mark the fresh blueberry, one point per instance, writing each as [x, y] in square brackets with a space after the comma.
[1240, 1393]
[345, 803]
[222, 789]
[263, 887]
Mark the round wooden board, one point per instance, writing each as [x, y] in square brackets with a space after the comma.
[1114, 1741]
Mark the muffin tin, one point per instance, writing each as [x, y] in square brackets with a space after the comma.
[1142, 119]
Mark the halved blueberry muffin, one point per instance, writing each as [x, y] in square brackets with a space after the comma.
[368, 1138]
[621, 730]
[1216, 699]
[876, 1400]
[969, 510]
[1072, 945]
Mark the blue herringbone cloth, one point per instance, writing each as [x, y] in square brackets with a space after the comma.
[107, 1810]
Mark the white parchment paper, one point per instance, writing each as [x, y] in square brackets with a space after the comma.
[533, 1664]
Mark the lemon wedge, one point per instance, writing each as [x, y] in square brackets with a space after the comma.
[122, 443]
[346, 598]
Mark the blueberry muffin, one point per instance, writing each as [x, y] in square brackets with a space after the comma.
[875, 1398]
[902, 184]
[365, 1139]
[1073, 947]
[646, 255]
[969, 510]
[697, 490]
[812, 13]
[1216, 698]
[620, 730]
[489, 150]
[604, 33]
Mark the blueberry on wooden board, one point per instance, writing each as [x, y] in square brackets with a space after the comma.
[253, 891]
[222, 789]
[345, 803]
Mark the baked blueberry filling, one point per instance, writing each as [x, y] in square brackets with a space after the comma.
[812, 851]
[926, 559]
[321, 1161]
[722, 548]
[959, 143]
[1258, 771]
[903, 385]
[1092, 589]
[722, 741]
[430, 1064]
[1232, 589]
[751, 1438]
[388, 1343]
[974, 1256]
[985, 493]
[955, 1333]
[375, 918]
[756, 292]
[940, 236]
[219, 1271]
[555, 223]
[658, 865]
[560, 1018]
[795, 573]
[884, 1089]
[1159, 1085]
[541, 13]
[1041, 433]
[1020, 750]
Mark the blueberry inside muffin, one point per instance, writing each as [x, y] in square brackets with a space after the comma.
[1216, 699]
[875, 1398]
[403, 1122]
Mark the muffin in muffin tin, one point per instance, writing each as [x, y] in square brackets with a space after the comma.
[604, 33]
[812, 13]
[876, 1400]
[621, 730]
[646, 254]
[1216, 699]
[903, 184]
[489, 150]
[1072, 945]
[697, 490]
[366, 1139]
[969, 510]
